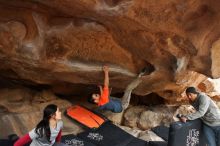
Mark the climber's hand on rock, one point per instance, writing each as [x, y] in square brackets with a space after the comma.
[105, 68]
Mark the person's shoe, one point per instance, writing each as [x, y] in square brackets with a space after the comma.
[143, 71]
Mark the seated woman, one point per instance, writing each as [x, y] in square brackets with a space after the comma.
[47, 132]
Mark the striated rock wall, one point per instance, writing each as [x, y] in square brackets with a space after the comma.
[62, 42]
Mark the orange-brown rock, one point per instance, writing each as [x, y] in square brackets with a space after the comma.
[63, 42]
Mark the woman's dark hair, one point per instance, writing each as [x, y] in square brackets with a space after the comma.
[90, 99]
[43, 127]
[191, 90]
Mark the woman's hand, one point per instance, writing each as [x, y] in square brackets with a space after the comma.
[100, 87]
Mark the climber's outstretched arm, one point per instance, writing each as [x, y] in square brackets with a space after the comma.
[106, 78]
